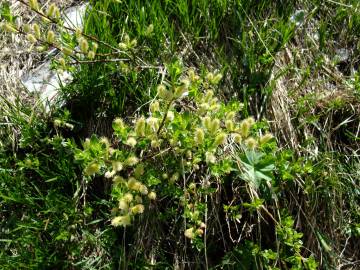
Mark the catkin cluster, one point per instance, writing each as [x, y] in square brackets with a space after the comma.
[187, 131]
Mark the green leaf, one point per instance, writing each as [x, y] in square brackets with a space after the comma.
[63, 236]
[153, 181]
[256, 168]
[256, 204]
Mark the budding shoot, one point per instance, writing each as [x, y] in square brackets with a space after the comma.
[34, 4]
[199, 136]
[84, 45]
[31, 38]
[36, 29]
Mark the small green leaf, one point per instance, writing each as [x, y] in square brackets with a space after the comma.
[153, 181]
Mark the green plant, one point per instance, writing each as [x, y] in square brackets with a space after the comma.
[185, 175]
[287, 254]
[46, 219]
[180, 153]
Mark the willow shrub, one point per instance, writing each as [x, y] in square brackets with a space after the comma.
[180, 149]
[179, 155]
[172, 165]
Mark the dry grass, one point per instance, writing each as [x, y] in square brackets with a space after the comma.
[313, 108]
[17, 59]
[15, 56]
[321, 93]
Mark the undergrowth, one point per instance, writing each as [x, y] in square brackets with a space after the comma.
[194, 135]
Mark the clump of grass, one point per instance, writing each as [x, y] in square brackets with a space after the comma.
[222, 35]
[311, 100]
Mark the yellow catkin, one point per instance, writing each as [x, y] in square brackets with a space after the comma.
[128, 197]
[122, 46]
[133, 43]
[199, 136]
[138, 209]
[117, 166]
[121, 221]
[91, 55]
[208, 96]
[51, 10]
[95, 46]
[36, 29]
[131, 161]
[207, 122]
[67, 51]
[155, 143]
[189, 233]
[229, 124]
[41, 48]
[230, 115]
[215, 125]
[170, 116]
[203, 108]
[220, 138]
[50, 37]
[251, 143]
[119, 180]
[143, 190]
[162, 92]
[140, 127]
[132, 183]
[62, 62]
[210, 157]
[199, 232]
[152, 195]
[149, 30]
[131, 141]
[209, 76]
[78, 34]
[192, 186]
[153, 123]
[244, 128]
[251, 121]
[110, 174]
[92, 169]
[183, 88]
[26, 28]
[84, 45]
[265, 138]
[237, 138]
[34, 4]
[192, 74]
[217, 78]
[126, 38]
[123, 205]
[31, 38]
[118, 124]
[174, 177]
[154, 107]
[57, 13]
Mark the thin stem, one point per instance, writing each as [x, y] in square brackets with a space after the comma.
[205, 231]
[54, 45]
[69, 28]
[165, 115]
[115, 49]
[98, 61]
[156, 154]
